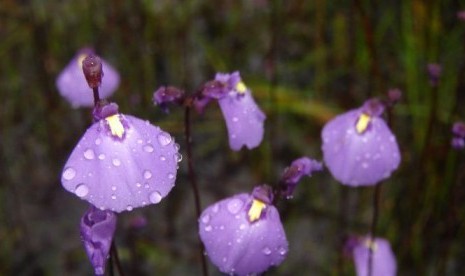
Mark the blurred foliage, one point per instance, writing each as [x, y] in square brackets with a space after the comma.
[305, 61]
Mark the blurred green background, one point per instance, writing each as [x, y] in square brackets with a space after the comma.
[305, 61]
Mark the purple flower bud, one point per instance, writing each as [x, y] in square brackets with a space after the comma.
[92, 69]
[458, 129]
[122, 163]
[167, 95]
[244, 119]
[358, 147]
[97, 229]
[434, 73]
[457, 143]
[461, 15]
[243, 235]
[394, 96]
[73, 86]
[383, 259]
[293, 174]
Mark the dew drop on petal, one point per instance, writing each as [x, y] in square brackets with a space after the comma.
[177, 146]
[177, 157]
[266, 251]
[69, 173]
[113, 197]
[235, 119]
[81, 190]
[164, 138]
[208, 228]
[98, 141]
[162, 158]
[116, 162]
[242, 227]
[365, 165]
[89, 154]
[155, 197]
[113, 188]
[170, 176]
[101, 156]
[234, 205]
[138, 185]
[148, 148]
[147, 174]
[216, 208]
[206, 218]
[282, 251]
[129, 208]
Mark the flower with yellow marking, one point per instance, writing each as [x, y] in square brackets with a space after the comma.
[371, 244]
[362, 123]
[116, 127]
[256, 209]
[241, 88]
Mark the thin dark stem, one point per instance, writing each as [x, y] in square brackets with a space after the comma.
[111, 271]
[192, 179]
[96, 96]
[374, 221]
[114, 257]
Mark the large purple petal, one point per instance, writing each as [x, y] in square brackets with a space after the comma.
[122, 174]
[358, 159]
[383, 260]
[244, 120]
[73, 86]
[237, 246]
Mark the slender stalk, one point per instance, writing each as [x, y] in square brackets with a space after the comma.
[374, 221]
[192, 179]
[96, 96]
[114, 257]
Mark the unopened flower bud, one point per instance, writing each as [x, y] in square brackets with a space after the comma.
[92, 68]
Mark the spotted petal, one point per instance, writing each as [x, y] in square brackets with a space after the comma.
[121, 169]
[236, 245]
[358, 159]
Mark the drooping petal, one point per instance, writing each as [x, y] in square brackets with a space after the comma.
[359, 150]
[97, 229]
[383, 259]
[292, 174]
[237, 245]
[72, 84]
[244, 120]
[122, 163]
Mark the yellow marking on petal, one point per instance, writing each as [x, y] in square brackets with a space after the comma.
[240, 87]
[362, 123]
[116, 127]
[371, 244]
[80, 59]
[256, 209]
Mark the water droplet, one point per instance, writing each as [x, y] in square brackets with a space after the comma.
[282, 251]
[177, 146]
[113, 197]
[98, 141]
[129, 208]
[266, 251]
[113, 188]
[155, 197]
[206, 218]
[148, 148]
[234, 205]
[69, 173]
[162, 158]
[139, 141]
[233, 136]
[216, 208]
[147, 174]
[365, 165]
[177, 157]
[242, 227]
[89, 154]
[235, 119]
[208, 228]
[81, 190]
[224, 259]
[138, 185]
[101, 156]
[164, 138]
[170, 176]
[116, 162]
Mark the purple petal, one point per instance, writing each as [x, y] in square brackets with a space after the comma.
[244, 120]
[122, 173]
[383, 260]
[97, 229]
[72, 84]
[292, 174]
[237, 246]
[359, 159]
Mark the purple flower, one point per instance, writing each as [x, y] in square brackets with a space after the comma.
[292, 174]
[121, 163]
[434, 72]
[458, 139]
[164, 96]
[383, 259]
[358, 147]
[73, 86]
[244, 119]
[97, 229]
[243, 234]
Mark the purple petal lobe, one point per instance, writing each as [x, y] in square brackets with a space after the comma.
[383, 260]
[97, 229]
[122, 164]
[292, 174]
[72, 84]
[235, 244]
[359, 158]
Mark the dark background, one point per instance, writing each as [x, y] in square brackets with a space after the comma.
[305, 62]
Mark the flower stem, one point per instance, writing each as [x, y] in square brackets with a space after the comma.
[96, 96]
[192, 179]
[114, 257]
[374, 221]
